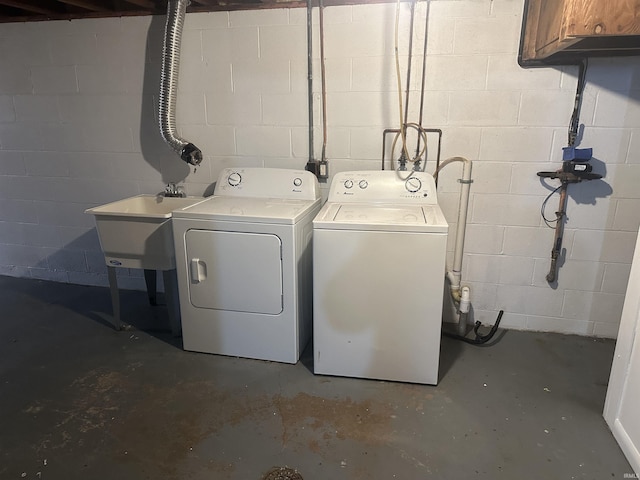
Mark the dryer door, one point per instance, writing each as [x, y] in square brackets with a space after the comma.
[235, 271]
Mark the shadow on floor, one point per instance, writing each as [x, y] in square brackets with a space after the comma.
[94, 303]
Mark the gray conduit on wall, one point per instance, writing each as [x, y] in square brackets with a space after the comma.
[176, 11]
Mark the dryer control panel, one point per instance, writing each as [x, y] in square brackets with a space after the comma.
[383, 186]
[267, 183]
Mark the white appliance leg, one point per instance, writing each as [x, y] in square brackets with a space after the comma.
[150, 277]
[170, 278]
[115, 297]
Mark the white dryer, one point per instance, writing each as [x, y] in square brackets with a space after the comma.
[243, 258]
[379, 248]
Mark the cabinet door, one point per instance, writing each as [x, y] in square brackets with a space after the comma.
[549, 22]
[588, 17]
[240, 272]
[623, 393]
[566, 31]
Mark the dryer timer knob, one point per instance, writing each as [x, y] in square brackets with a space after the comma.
[234, 179]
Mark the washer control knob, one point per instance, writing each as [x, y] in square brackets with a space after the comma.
[363, 184]
[413, 184]
[297, 181]
[234, 179]
[348, 183]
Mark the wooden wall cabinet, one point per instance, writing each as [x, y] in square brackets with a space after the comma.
[564, 31]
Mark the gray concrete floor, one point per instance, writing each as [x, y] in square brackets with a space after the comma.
[80, 400]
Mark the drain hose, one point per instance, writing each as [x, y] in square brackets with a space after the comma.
[176, 11]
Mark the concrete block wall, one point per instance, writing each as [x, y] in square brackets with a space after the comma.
[78, 128]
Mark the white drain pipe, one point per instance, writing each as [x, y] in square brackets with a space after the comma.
[460, 295]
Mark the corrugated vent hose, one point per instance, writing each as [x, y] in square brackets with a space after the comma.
[176, 11]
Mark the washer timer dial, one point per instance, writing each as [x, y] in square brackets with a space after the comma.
[363, 184]
[413, 184]
[348, 183]
[234, 179]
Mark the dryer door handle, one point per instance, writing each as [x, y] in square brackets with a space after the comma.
[198, 270]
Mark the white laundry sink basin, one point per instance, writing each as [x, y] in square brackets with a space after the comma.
[136, 232]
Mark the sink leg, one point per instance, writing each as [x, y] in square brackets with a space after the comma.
[170, 278]
[115, 297]
[152, 289]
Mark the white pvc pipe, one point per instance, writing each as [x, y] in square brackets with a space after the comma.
[465, 300]
[461, 227]
[454, 275]
[465, 304]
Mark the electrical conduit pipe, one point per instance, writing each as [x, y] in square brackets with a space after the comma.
[460, 295]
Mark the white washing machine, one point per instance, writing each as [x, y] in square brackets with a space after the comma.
[379, 248]
[243, 258]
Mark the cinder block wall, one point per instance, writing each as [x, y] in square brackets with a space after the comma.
[78, 128]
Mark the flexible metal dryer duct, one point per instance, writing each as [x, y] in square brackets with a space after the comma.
[176, 11]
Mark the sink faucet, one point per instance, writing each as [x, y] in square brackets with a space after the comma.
[173, 190]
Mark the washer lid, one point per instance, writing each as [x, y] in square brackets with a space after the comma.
[242, 209]
[401, 218]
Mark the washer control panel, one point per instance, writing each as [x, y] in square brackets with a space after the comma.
[384, 186]
[267, 183]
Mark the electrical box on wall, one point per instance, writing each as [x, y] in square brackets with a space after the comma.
[561, 31]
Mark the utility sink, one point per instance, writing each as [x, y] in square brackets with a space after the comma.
[136, 232]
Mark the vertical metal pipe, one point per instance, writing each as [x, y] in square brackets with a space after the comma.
[310, 76]
[406, 106]
[424, 70]
[324, 83]
[552, 276]
[575, 116]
